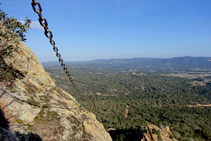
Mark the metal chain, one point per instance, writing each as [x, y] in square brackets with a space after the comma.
[48, 34]
[92, 100]
[43, 22]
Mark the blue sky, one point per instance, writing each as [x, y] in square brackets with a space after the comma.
[104, 29]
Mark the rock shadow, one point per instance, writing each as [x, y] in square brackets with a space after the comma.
[6, 134]
[8, 74]
[127, 134]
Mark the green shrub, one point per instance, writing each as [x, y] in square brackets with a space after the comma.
[158, 132]
[10, 31]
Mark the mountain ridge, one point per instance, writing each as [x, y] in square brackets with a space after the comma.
[176, 63]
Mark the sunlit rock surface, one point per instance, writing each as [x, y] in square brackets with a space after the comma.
[35, 108]
[154, 133]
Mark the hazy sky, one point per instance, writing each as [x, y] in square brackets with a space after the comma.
[104, 29]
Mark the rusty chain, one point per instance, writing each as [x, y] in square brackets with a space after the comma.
[49, 35]
[43, 22]
[92, 101]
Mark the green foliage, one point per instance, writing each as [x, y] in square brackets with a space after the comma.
[154, 131]
[120, 137]
[163, 101]
[10, 30]
[18, 29]
[19, 121]
[145, 64]
[158, 132]
[171, 136]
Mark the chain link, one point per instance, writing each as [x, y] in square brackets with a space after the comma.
[43, 22]
[49, 35]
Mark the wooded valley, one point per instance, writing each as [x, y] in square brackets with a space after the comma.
[160, 98]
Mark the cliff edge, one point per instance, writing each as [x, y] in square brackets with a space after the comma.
[35, 108]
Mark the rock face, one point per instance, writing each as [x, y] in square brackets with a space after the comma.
[154, 133]
[149, 132]
[35, 108]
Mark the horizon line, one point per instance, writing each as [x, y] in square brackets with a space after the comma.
[131, 58]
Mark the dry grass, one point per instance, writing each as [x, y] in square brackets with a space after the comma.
[99, 73]
[199, 105]
[98, 94]
[126, 112]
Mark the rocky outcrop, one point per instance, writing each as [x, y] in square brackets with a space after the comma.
[154, 133]
[149, 132]
[35, 107]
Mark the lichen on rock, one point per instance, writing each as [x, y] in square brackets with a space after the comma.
[41, 108]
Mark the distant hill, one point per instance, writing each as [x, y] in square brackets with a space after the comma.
[176, 63]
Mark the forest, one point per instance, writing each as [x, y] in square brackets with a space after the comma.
[153, 97]
[158, 64]
[130, 93]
